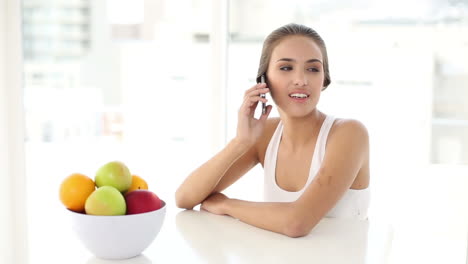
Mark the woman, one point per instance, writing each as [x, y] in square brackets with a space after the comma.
[315, 165]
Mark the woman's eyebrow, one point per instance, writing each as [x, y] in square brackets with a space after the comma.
[293, 60]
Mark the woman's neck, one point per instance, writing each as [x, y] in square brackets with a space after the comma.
[298, 132]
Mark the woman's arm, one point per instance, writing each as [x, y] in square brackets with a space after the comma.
[269, 216]
[230, 164]
[345, 156]
[239, 156]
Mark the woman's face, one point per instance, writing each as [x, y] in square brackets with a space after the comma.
[295, 75]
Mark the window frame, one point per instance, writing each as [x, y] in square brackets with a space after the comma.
[12, 156]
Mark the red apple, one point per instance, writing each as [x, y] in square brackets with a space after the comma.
[142, 201]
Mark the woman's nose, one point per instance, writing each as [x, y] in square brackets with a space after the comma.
[300, 79]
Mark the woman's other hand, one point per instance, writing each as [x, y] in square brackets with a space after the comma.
[215, 203]
[249, 128]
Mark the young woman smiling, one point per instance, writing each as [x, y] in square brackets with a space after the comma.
[315, 165]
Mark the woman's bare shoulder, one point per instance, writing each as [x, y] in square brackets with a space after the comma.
[351, 136]
[349, 129]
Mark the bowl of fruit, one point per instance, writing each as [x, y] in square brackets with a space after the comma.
[115, 215]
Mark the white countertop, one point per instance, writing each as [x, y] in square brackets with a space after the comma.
[201, 237]
[222, 239]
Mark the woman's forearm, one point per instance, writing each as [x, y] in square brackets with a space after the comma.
[201, 182]
[281, 218]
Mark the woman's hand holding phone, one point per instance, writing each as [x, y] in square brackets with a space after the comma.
[249, 128]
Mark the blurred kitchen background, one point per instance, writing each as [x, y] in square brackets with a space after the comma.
[133, 81]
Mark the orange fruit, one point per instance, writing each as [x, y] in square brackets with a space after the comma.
[74, 190]
[137, 183]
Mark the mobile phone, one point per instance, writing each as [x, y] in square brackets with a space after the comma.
[262, 80]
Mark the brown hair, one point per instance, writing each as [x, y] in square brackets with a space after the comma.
[290, 30]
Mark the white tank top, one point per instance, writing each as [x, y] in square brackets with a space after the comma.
[353, 204]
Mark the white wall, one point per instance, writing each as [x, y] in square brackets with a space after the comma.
[13, 242]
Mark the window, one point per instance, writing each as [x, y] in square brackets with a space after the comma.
[98, 89]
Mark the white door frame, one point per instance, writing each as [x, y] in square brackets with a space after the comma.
[13, 219]
[219, 44]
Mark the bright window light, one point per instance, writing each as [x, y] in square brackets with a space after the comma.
[125, 11]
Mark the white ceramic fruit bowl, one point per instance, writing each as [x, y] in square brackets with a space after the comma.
[118, 237]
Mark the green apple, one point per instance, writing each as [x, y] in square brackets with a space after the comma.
[106, 200]
[114, 174]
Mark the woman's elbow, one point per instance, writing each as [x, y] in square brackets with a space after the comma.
[295, 231]
[297, 228]
[183, 201]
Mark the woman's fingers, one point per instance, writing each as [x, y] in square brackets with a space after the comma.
[248, 107]
[264, 117]
[251, 103]
[252, 98]
[257, 92]
[255, 87]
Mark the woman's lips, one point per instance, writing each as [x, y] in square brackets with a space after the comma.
[299, 97]
[299, 100]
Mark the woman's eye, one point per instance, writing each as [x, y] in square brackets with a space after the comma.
[313, 70]
[286, 68]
